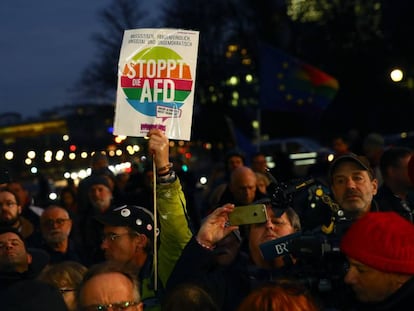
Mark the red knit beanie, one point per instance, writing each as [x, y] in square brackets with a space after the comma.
[382, 240]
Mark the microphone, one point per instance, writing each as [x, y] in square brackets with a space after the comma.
[278, 247]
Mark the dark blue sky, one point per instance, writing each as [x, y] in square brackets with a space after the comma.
[44, 46]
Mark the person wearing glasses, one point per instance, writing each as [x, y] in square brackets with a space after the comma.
[30, 211]
[66, 276]
[109, 286]
[130, 232]
[56, 239]
[11, 213]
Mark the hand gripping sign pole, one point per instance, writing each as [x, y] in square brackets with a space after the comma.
[156, 80]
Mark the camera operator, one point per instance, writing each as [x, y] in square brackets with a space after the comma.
[380, 250]
[229, 284]
[353, 186]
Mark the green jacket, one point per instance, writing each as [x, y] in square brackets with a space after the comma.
[174, 234]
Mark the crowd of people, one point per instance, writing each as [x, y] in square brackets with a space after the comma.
[343, 240]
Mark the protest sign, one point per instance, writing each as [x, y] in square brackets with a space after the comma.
[156, 82]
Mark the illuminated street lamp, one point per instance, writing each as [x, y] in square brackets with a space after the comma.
[396, 75]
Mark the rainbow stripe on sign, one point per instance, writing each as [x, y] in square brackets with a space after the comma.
[156, 76]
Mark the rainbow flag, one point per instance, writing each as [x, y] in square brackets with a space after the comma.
[289, 84]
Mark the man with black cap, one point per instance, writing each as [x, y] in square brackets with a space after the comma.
[129, 231]
[380, 250]
[229, 284]
[99, 164]
[353, 185]
[100, 200]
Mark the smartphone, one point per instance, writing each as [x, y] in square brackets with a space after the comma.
[248, 214]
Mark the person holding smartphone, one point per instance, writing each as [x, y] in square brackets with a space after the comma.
[229, 284]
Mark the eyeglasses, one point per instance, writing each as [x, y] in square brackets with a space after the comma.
[8, 204]
[113, 236]
[118, 306]
[52, 222]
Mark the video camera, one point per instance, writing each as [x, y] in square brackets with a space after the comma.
[317, 250]
[299, 245]
[330, 218]
[319, 264]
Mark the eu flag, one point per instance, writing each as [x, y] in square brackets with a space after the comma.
[289, 84]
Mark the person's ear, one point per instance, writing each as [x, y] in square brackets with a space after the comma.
[29, 258]
[374, 186]
[70, 224]
[141, 241]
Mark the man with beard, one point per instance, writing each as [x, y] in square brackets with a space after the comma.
[56, 227]
[10, 214]
[99, 167]
[29, 211]
[353, 185]
[100, 200]
[100, 194]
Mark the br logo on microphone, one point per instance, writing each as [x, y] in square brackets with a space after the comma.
[281, 248]
[278, 247]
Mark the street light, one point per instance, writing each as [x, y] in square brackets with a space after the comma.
[396, 75]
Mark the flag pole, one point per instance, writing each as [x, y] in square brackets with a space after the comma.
[154, 194]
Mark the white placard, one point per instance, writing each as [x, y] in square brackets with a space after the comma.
[156, 82]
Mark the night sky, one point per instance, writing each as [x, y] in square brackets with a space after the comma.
[44, 47]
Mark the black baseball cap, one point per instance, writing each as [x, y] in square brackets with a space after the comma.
[135, 217]
[362, 161]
